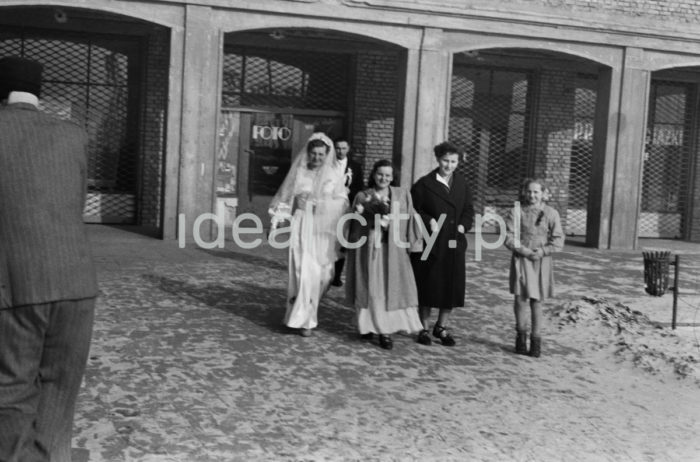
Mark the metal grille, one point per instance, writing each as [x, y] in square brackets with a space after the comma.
[581, 153]
[489, 117]
[281, 78]
[86, 79]
[666, 160]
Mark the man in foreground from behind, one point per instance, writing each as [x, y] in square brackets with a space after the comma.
[47, 279]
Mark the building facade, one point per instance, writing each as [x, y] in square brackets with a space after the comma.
[198, 107]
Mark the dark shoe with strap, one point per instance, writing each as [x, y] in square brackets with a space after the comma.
[367, 336]
[305, 332]
[424, 338]
[385, 342]
[535, 346]
[521, 343]
[441, 333]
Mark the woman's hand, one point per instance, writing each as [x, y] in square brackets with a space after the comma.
[433, 225]
[279, 222]
[460, 229]
[384, 221]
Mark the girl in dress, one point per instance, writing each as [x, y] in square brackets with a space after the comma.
[533, 233]
[380, 282]
[313, 197]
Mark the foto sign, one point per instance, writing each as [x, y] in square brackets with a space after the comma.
[268, 133]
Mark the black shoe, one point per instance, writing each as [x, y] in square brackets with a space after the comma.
[367, 336]
[521, 343]
[385, 342]
[444, 336]
[535, 346]
[424, 338]
[337, 283]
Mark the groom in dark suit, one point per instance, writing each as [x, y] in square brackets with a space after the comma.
[47, 279]
[354, 181]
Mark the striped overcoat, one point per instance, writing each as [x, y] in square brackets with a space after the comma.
[44, 251]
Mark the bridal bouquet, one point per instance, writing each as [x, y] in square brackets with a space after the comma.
[373, 205]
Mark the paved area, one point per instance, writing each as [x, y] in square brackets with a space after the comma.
[191, 363]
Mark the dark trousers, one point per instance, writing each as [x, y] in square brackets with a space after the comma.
[338, 269]
[339, 264]
[43, 352]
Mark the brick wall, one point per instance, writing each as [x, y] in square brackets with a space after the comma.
[375, 105]
[684, 11]
[153, 128]
[687, 11]
[554, 135]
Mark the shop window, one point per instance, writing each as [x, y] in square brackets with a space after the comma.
[285, 79]
[489, 119]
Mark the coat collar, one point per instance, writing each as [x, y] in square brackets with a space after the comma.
[439, 188]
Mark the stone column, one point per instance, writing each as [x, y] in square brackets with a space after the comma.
[433, 71]
[618, 152]
[632, 112]
[600, 188]
[405, 133]
[201, 75]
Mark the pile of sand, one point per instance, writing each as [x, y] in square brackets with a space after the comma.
[630, 335]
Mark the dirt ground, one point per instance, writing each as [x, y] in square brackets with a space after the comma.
[190, 362]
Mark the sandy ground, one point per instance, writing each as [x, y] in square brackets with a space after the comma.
[191, 363]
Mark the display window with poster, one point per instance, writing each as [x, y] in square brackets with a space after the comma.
[255, 152]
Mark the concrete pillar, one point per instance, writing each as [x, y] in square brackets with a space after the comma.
[632, 118]
[434, 68]
[600, 188]
[171, 171]
[406, 130]
[201, 76]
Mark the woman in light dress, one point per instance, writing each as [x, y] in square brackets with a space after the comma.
[380, 282]
[313, 197]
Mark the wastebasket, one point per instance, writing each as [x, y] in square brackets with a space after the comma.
[656, 264]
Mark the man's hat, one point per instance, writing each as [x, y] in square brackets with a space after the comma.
[19, 74]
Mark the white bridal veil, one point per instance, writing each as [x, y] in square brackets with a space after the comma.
[328, 198]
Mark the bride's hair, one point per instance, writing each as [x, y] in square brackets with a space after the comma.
[315, 143]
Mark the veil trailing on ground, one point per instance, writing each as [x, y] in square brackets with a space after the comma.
[326, 198]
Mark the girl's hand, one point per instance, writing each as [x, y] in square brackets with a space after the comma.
[460, 229]
[525, 252]
[536, 255]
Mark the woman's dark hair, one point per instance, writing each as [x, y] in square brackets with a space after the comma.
[377, 165]
[314, 144]
[446, 147]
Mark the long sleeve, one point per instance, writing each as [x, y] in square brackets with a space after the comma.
[510, 242]
[466, 218]
[413, 232]
[555, 238]
[418, 195]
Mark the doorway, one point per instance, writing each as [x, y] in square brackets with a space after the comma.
[256, 151]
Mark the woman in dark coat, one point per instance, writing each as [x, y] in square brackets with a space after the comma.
[440, 272]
